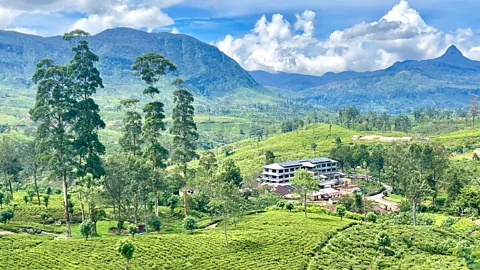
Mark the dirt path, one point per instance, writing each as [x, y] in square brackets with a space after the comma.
[5, 232]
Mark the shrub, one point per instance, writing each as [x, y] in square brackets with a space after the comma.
[341, 211]
[154, 222]
[372, 217]
[354, 216]
[424, 220]
[405, 206]
[289, 206]
[383, 240]
[132, 229]
[31, 194]
[448, 222]
[44, 217]
[48, 190]
[6, 215]
[280, 204]
[58, 191]
[189, 223]
[86, 229]
[46, 198]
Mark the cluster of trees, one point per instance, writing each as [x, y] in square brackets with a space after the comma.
[351, 117]
[67, 141]
[416, 171]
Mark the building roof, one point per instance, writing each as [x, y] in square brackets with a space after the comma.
[326, 192]
[293, 163]
[274, 166]
[283, 190]
[331, 182]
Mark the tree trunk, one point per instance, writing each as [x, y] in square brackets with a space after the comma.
[414, 209]
[305, 203]
[81, 206]
[126, 265]
[225, 228]
[94, 228]
[10, 184]
[145, 216]
[65, 204]
[156, 202]
[35, 182]
[135, 214]
[185, 192]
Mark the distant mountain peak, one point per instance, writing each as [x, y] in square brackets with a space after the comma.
[453, 51]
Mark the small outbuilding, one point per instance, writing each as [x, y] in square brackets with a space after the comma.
[141, 228]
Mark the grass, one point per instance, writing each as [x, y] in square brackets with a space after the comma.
[395, 198]
[271, 240]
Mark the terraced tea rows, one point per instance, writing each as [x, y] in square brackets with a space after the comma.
[411, 248]
[271, 240]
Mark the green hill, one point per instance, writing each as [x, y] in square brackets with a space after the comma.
[206, 70]
[248, 154]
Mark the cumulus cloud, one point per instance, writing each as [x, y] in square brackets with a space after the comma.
[123, 15]
[401, 34]
[97, 15]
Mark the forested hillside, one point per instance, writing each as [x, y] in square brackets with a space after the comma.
[205, 70]
[444, 82]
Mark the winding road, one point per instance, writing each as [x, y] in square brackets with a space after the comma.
[379, 199]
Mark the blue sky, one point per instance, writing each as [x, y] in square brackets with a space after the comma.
[302, 36]
[215, 23]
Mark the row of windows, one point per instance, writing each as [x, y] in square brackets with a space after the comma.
[276, 182]
[294, 169]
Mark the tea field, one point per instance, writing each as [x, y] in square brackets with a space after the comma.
[421, 247]
[271, 240]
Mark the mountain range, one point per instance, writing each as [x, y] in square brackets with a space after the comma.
[445, 82]
[205, 69]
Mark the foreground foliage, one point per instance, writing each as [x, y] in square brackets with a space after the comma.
[272, 240]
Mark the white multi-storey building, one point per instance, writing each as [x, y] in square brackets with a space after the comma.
[323, 169]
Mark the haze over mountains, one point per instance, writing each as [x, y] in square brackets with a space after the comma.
[447, 81]
[205, 69]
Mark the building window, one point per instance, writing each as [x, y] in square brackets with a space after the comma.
[324, 165]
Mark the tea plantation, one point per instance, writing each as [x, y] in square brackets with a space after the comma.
[271, 240]
[421, 247]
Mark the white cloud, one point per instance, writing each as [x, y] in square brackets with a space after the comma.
[175, 31]
[123, 15]
[23, 30]
[7, 16]
[401, 34]
[97, 15]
